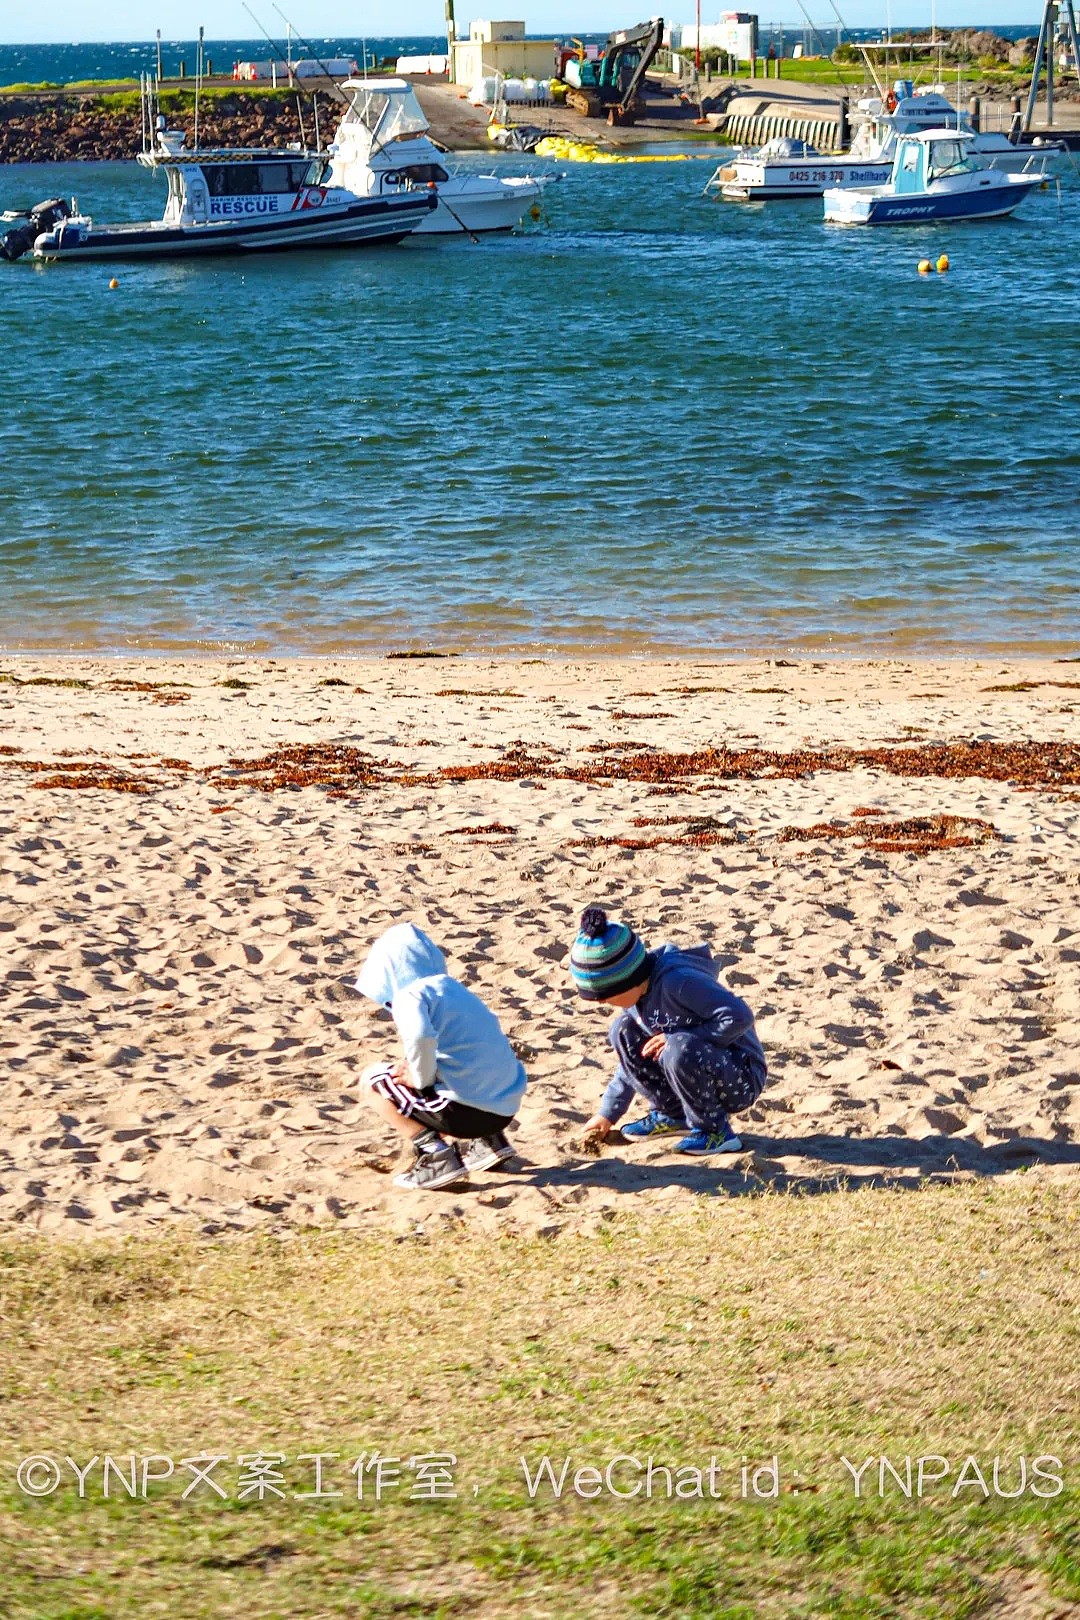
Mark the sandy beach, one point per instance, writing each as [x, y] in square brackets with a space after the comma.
[197, 854]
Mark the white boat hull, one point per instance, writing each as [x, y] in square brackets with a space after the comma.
[762, 180]
[480, 204]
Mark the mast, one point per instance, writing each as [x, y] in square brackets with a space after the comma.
[198, 82]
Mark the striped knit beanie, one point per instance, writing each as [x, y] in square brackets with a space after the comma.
[607, 957]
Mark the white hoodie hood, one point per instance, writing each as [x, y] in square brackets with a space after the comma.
[397, 959]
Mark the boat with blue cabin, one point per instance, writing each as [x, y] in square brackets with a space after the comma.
[935, 176]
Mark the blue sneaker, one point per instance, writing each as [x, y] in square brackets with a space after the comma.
[654, 1124]
[701, 1142]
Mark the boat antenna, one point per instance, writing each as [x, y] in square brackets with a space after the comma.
[198, 81]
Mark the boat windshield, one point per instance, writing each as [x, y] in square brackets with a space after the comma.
[948, 157]
[387, 114]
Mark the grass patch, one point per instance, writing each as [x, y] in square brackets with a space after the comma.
[942, 1321]
[176, 102]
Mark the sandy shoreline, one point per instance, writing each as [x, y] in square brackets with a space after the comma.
[178, 935]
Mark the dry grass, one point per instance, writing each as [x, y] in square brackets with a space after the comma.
[850, 1324]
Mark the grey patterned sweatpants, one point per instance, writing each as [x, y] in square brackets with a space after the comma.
[692, 1079]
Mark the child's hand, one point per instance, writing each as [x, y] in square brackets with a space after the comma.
[397, 1071]
[654, 1046]
[598, 1127]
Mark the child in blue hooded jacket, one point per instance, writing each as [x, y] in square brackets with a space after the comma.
[460, 1077]
[684, 1042]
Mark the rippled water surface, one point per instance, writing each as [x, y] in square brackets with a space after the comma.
[650, 421]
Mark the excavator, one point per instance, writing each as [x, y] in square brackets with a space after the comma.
[610, 85]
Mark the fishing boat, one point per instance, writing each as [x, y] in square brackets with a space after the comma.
[382, 149]
[788, 167]
[222, 200]
[878, 121]
[935, 177]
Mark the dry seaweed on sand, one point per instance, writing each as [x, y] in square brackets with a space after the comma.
[482, 829]
[101, 779]
[299, 765]
[343, 767]
[914, 835]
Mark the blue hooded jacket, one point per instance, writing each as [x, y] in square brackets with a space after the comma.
[451, 1039]
[684, 992]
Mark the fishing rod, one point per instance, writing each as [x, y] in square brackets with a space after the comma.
[878, 85]
[306, 43]
[814, 30]
[276, 44]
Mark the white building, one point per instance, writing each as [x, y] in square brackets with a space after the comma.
[736, 33]
[500, 47]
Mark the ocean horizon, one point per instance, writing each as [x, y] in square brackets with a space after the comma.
[69, 62]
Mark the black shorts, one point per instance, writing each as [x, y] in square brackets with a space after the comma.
[433, 1108]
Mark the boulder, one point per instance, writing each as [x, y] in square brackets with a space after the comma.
[1022, 53]
[982, 42]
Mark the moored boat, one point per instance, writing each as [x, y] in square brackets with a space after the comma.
[382, 149]
[878, 123]
[222, 200]
[935, 176]
[786, 167]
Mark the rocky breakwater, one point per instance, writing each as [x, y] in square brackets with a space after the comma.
[66, 128]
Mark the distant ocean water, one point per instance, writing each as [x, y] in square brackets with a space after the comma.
[650, 422]
[66, 64]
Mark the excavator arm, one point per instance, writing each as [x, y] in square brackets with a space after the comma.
[604, 85]
[645, 40]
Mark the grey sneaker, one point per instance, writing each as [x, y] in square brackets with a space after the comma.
[434, 1167]
[484, 1152]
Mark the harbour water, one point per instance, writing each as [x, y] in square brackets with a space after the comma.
[648, 421]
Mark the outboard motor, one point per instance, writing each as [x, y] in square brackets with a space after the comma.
[19, 239]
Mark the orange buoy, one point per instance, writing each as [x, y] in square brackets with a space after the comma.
[943, 264]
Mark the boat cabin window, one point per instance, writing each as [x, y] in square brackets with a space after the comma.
[946, 157]
[417, 174]
[258, 179]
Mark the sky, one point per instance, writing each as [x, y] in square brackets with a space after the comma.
[70, 21]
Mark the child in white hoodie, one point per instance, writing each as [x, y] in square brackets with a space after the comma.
[460, 1077]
